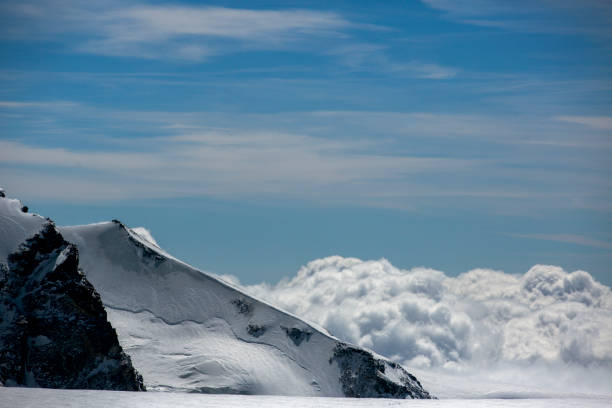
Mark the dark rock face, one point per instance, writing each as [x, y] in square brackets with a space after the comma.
[54, 331]
[296, 335]
[242, 306]
[256, 330]
[363, 376]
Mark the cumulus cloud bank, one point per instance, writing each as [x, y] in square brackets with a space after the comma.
[427, 320]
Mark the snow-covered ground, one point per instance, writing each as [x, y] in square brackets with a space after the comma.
[38, 397]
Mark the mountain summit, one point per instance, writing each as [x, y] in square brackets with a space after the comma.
[186, 330]
[53, 327]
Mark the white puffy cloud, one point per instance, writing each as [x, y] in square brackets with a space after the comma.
[425, 319]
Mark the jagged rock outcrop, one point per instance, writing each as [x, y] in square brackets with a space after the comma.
[365, 376]
[54, 331]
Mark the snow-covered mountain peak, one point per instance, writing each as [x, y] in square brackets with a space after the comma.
[186, 330]
[189, 330]
[16, 224]
[53, 327]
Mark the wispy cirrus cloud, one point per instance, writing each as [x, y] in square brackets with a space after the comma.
[51, 104]
[589, 17]
[382, 159]
[191, 33]
[596, 122]
[226, 163]
[374, 57]
[568, 239]
[181, 32]
[426, 70]
[477, 7]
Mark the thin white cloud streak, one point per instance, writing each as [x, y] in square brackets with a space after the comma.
[17, 153]
[187, 31]
[483, 7]
[170, 31]
[568, 239]
[528, 129]
[373, 57]
[48, 105]
[274, 155]
[234, 163]
[424, 70]
[500, 7]
[596, 122]
[590, 17]
[195, 33]
[381, 159]
[74, 186]
[525, 129]
[480, 321]
[258, 25]
[263, 164]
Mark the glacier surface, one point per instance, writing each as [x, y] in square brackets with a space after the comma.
[19, 397]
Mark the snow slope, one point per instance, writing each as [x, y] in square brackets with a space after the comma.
[19, 397]
[53, 327]
[189, 331]
[16, 225]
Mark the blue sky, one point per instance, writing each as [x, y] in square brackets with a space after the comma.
[252, 137]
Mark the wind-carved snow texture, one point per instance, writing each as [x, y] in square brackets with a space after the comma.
[187, 330]
[53, 327]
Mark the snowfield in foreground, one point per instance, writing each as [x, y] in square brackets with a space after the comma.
[39, 397]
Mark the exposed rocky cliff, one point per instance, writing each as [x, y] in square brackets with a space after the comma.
[54, 331]
[365, 376]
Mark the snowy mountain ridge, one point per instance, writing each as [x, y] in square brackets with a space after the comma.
[186, 330]
[229, 341]
[53, 327]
